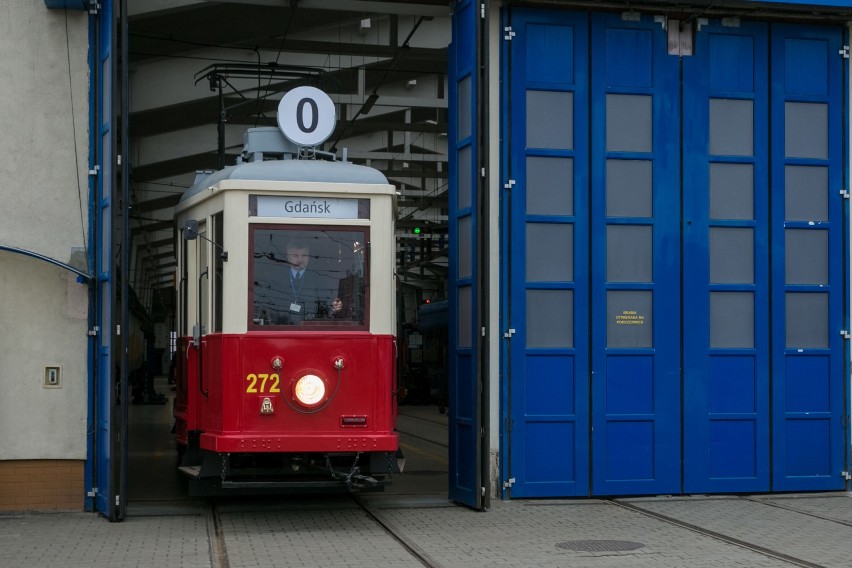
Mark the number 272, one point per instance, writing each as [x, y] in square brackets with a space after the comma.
[263, 378]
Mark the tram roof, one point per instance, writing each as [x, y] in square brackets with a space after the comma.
[320, 171]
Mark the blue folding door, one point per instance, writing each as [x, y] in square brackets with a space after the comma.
[465, 466]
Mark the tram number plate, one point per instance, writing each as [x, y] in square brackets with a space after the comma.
[263, 383]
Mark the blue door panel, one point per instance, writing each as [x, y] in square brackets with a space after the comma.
[463, 409]
[547, 208]
[635, 316]
[105, 487]
[726, 355]
[809, 432]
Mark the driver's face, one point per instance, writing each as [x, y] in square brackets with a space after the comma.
[298, 258]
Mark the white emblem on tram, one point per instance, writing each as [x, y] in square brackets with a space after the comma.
[266, 406]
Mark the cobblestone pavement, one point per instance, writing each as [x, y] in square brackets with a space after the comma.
[762, 531]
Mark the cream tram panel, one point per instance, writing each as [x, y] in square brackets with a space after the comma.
[232, 196]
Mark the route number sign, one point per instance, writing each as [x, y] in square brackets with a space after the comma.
[306, 116]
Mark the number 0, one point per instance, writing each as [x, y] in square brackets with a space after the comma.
[300, 115]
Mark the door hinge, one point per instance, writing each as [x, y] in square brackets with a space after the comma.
[844, 193]
[845, 333]
[118, 329]
[94, 331]
[509, 33]
[93, 493]
[118, 500]
[846, 475]
[482, 491]
[509, 484]
[844, 52]
[95, 171]
[510, 333]
[482, 10]
[118, 159]
[482, 173]
[509, 184]
[93, 7]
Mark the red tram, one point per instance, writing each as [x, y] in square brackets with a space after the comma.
[285, 370]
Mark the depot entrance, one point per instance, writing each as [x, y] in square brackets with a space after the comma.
[675, 255]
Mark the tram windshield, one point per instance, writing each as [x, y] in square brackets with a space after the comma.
[308, 276]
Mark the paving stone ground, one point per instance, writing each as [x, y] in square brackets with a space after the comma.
[763, 531]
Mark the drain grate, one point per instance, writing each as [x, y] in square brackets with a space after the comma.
[599, 545]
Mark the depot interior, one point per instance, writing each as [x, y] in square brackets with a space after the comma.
[201, 73]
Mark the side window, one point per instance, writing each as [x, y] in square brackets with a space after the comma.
[218, 292]
[203, 275]
[183, 288]
[309, 276]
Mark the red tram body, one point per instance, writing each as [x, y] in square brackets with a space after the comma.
[280, 386]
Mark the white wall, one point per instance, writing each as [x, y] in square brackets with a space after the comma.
[44, 112]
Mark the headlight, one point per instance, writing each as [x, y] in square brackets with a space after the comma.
[309, 390]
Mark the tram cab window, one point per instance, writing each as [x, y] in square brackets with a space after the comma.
[308, 276]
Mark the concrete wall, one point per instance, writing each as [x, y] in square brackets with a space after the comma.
[44, 114]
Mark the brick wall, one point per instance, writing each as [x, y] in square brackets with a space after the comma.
[27, 485]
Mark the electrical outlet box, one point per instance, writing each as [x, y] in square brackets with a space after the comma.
[52, 377]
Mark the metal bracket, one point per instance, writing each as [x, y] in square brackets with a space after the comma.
[94, 331]
[510, 333]
[95, 171]
[509, 184]
[846, 475]
[844, 193]
[845, 333]
[844, 52]
[482, 10]
[508, 484]
[509, 33]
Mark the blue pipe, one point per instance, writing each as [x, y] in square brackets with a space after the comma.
[86, 277]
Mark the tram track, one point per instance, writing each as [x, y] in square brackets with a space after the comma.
[778, 505]
[410, 546]
[216, 538]
[762, 550]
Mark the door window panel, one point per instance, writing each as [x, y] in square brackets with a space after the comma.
[731, 255]
[807, 320]
[550, 186]
[550, 252]
[629, 123]
[629, 188]
[806, 193]
[731, 191]
[550, 318]
[731, 320]
[550, 120]
[806, 256]
[629, 319]
[731, 127]
[629, 253]
[806, 130]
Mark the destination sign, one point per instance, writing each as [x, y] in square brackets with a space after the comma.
[297, 207]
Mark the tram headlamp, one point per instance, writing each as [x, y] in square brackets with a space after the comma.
[309, 390]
